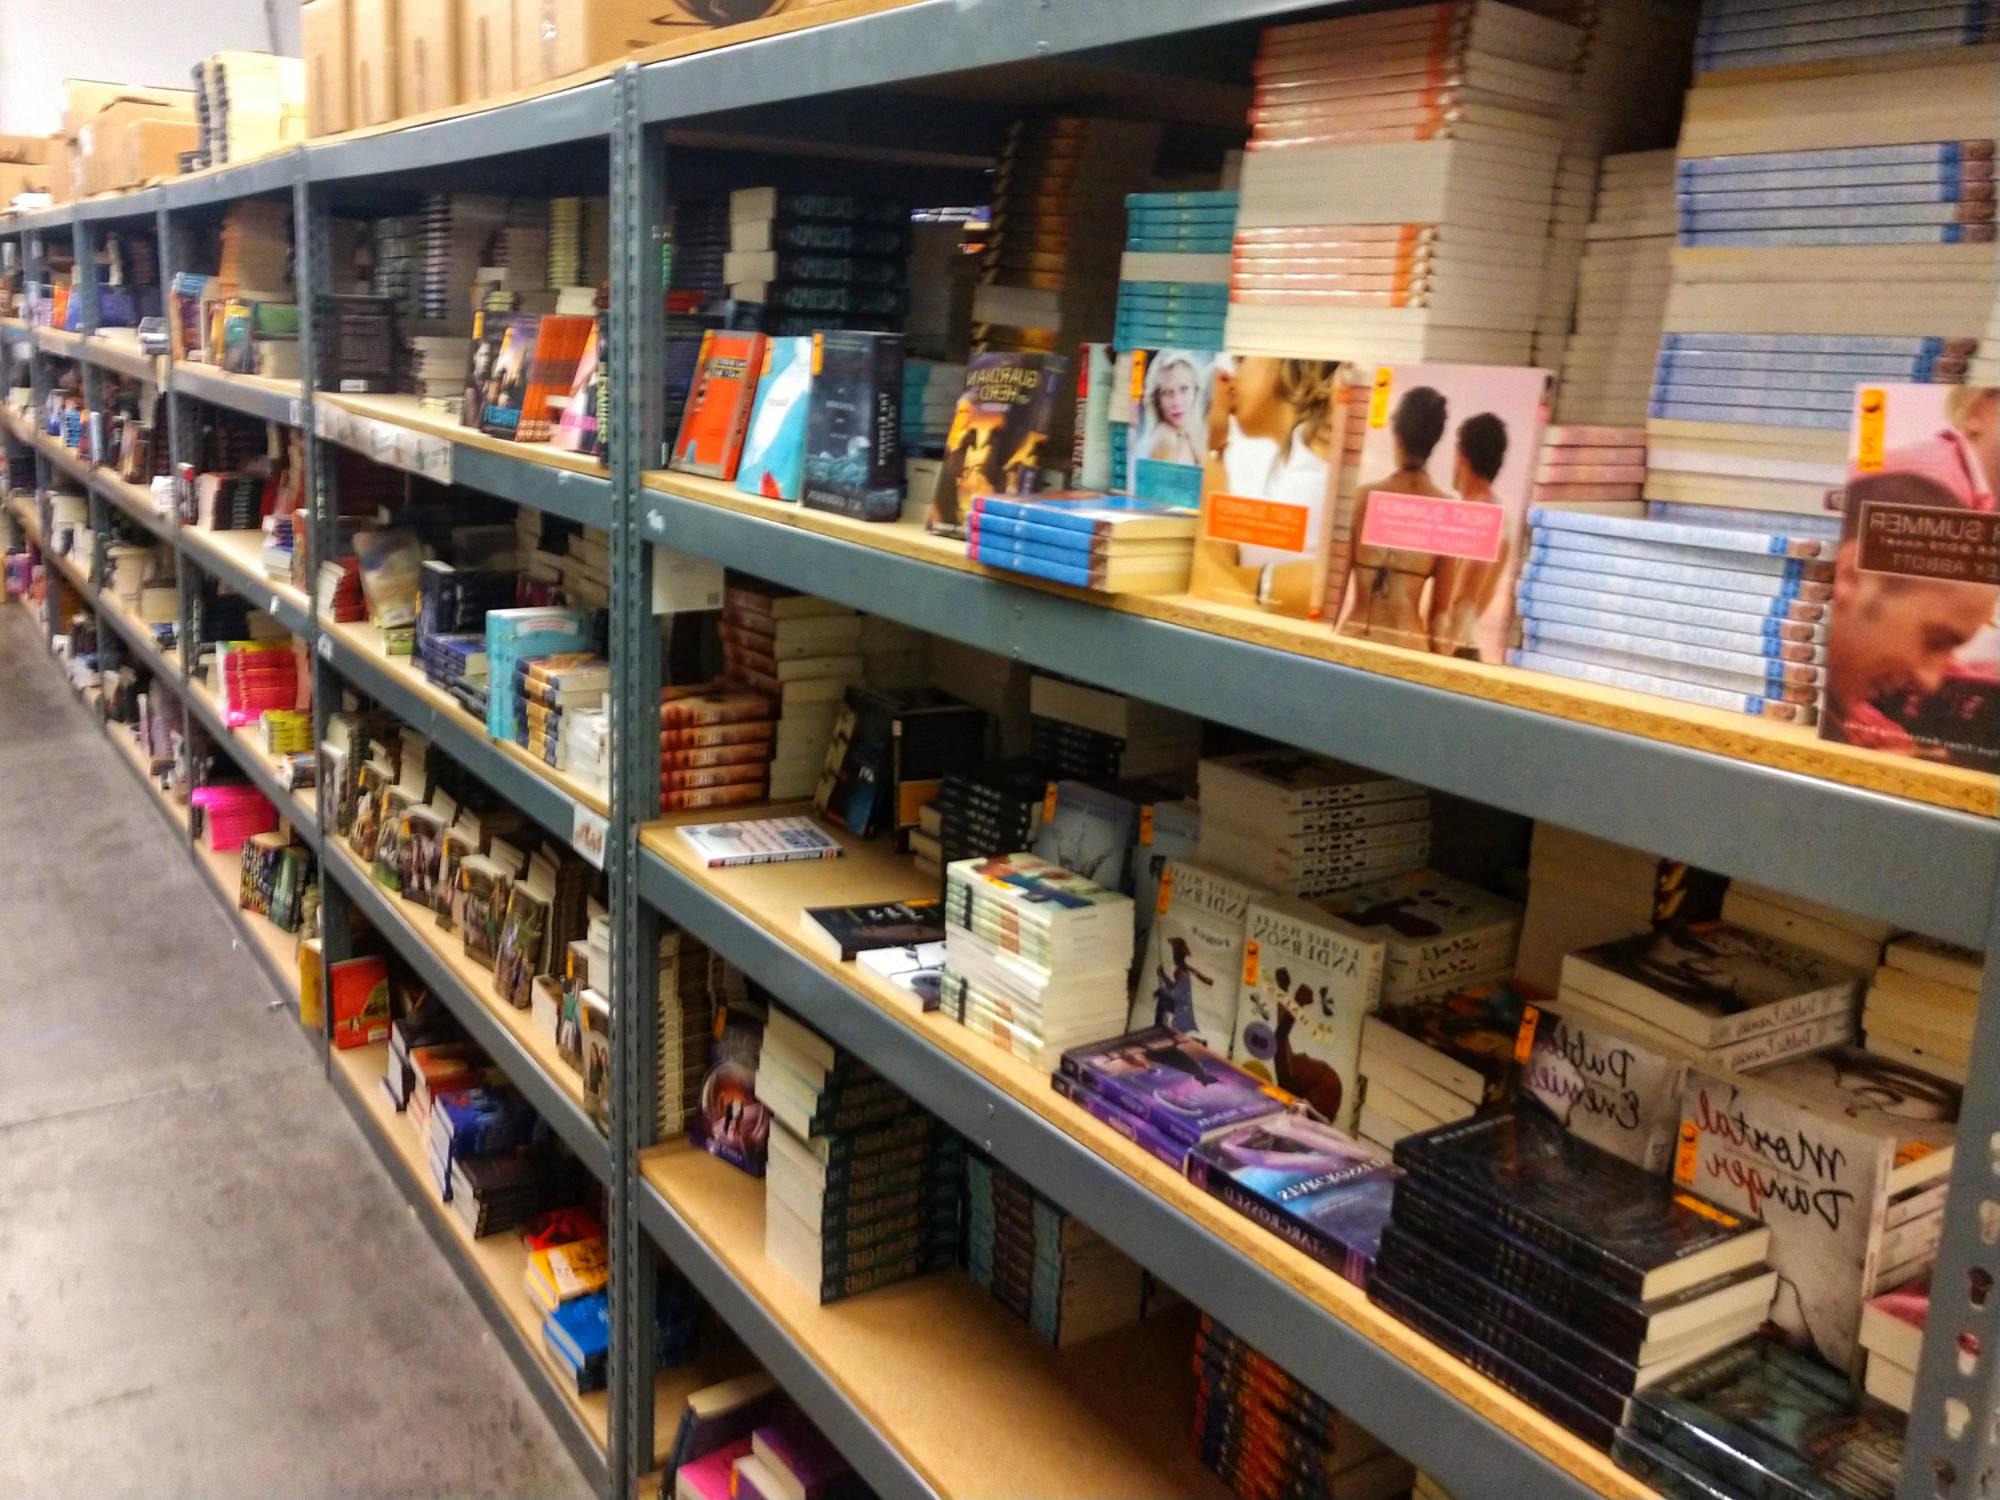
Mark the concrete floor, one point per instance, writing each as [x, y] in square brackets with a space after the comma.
[207, 1285]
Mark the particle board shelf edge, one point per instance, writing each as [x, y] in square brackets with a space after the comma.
[1484, 731]
[276, 952]
[139, 636]
[545, 794]
[298, 807]
[253, 395]
[529, 1059]
[110, 351]
[237, 558]
[1318, 1325]
[950, 1394]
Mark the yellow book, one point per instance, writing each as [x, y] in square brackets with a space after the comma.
[563, 1273]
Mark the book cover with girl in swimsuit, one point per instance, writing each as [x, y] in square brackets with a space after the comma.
[1439, 516]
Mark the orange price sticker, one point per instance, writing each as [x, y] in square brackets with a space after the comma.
[1166, 889]
[819, 352]
[1871, 431]
[1378, 398]
[1145, 823]
[1524, 1039]
[1138, 374]
[1250, 962]
[1687, 1153]
[1049, 802]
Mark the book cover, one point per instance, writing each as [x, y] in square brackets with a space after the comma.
[1608, 1086]
[507, 388]
[1089, 831]
[360, 1001]
[1437, 931]
[774, 446]
[1773, 1422]
[482, 366]
[855, 785]
[1439, 518]
[1913, 655]
[998, 434]
[551, 372]
[1815, 1147]
[1468, 1036]
[759, 841]
[1274, 429]
[1308, 981]
[1192, 977]
[1712, 983]
[916, 967]
[853, 930]
[578, 429]
[853, 434]
[710, 440]
[1583, 1204]
[1317, 1189]
[730, 1121]
[1173, 1082]
[1170, 440]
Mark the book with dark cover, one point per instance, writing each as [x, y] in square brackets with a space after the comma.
[998, 433]
[1315, 1188]
[1666, 1471]
[506, 389]
[578, 1336]
[854, 788]
[1581, 1202]
[890, 924]
[854, 438]
[1173, 1082]
[1476, 1028]
[1774, 1422]
[730, 1121]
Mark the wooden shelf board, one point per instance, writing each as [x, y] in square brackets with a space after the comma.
[225, 871]
[123, 344]
[478, 981]
[500, 1260]
[410, 412]
[244, 550]
[1785, 747]
[293, 389]
[128, 746]
[774, 896]
[976, 1403]
[59, 341]
[303, 808]
[135, 497]
[62, 457]
[110, 603]
[365, 639]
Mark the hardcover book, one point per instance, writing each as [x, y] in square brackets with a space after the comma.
[1309, 979]
[1583, 1204]
[1608, 1086]
[1192, 976]
[1712, 983]
[774, 447]
[998, 434]
[1440, 516]
[1173, 1083]
[853, 930]
[1091, 832]
[1317, 1189]
[710, 440]
[853, 436]
[1816, 1147]
[1913, 658]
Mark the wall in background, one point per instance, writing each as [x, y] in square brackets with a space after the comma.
[152, 42]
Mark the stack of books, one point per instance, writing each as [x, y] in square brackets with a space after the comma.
[1433, 1059]
[1830, 234]
[273, 879]
[1036, 956]
[789, 1459]
[1735, 34]
[398, 266]
[1049, 1268]
[254, 256]
[457, 663]
[565, 244]
[981, 812]
[862, 1186]
[1563, 1273]
[1263, 1433]
[550, 694]
[512, 637]
[1165, 1092]
[1761, 1418]
[802, 653]
[1584, 890]
[1092, 734]
[1729, 616]
[248, 677]
[1308, 826]
[1110, 543]
[714, 731]
[433, 367]
[464, 1123]
[1921, 1005]
[1049, 278]
[452, 231]
[930, 394]
[1606, 370]
[1892, 1331]
[230, 814]
[1448, 193]
[691, 977]
[492, 1194]
[1850, 940]
[1600, 469]
[817, 261]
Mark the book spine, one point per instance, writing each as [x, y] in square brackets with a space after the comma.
[1629, 612]
[1782, 601]
[1938, 154]
[1760, 673]
[1665, 687]
[1699, 366]
[771, 857]
[1881, 234]
[1073, 1086]
[1589, 545]
[1771, 543]
[1343, 1260]
[1798, 1010]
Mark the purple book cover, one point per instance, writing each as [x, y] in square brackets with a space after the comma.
[1137, 1131]
[1174, 1082]
[1319, 1190]
[796, 1447]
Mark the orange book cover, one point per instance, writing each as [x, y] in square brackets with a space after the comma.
[559, 346]
[718, 408]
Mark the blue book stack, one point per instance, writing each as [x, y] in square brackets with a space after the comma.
[577, 1336]
[514, 635]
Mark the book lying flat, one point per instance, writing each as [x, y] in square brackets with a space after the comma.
[760, 841]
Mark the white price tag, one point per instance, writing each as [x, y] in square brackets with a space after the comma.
[589, 833]
[324, 646]
[296, 410]
[271, 606]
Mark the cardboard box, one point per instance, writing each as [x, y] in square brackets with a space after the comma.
[486, 64]
[554, 37]
[63, 166]
[22, 177]
[84, 99]
[372, 61]
[132, 140]
[25, 149]
[427, 66]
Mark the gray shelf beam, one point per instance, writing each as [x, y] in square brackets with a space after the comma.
[267, 174]
[55, 216]
[574, 114]
[254, 587]
[134, 204]
[421, 1196]
[218, 389]
[386, 915]
[584, 498]
[114, 496]
[140, 641]
[259, 770]
[921, 41]
[1816, 838]
[125, 361]
[539, 798]
[1358, 1376]
[887, 1472]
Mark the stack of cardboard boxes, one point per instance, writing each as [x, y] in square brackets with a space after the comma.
[372, 61]
[24, 166]
[118, 135]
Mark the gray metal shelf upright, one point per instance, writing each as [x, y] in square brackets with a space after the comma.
[875, 82]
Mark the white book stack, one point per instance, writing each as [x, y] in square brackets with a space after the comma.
[1304, 825]
[803, 653]
[1446, 197]
[1836, 227]
[1921, 1005]
[1592, 468]
[1842, 936]
[1892, 1331]
[1606, 369]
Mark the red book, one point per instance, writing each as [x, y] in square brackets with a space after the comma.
[718, 408]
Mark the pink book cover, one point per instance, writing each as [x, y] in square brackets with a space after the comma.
[707, 1477]
[1440, 512]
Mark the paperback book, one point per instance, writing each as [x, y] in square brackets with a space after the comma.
[1309, 980]
[759, 841]
[1173, 1083]
[710, 440]
[853, 436]
[1192, 976]
[998, 435]
[774, 446]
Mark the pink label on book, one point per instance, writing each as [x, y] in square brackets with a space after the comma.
[1448, 528]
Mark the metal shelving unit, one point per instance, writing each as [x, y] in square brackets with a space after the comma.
[859, 97]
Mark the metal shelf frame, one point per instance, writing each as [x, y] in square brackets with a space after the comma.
[1916, 865]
